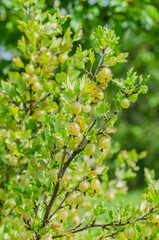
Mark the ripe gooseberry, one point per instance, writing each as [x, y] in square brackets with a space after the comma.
[29, 68]
[104, 142]
[76, 107]
[87, 109]
[84, 186]
[79, 200]
[129, 232]
[146, 230]
[36, 86]
[122, 237]
[71, 199]
[73, 129]
[58, 157]
[155, 218]
[78, 138]
[111, 195]
[63, 58]
[23, 235]
[63, 214]
[125, 103]
[103, 74]
[95, 184]
[90, 149]
[34, 78]
[12, 204]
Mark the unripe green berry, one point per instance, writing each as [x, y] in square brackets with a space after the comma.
[76, 107]
[129, 233]
[125, 103]
[155, 218]
[36, 86]
[33, 78]
[73, 129]
[25, 76]
[63, 58]
[90, 149]
[95, 184]
[87, 108]
[23, 235]
[63, 214]
[122, 237]
[71, 199]
[103, 74]
[58, 157]
[104, 142]
[29, 68]
[76, 219]
[111, 195]
[12, 204]
[146, 230]
[84, 186]
[79, 200]
[78, 138]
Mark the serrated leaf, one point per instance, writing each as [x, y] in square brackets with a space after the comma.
[121, 57]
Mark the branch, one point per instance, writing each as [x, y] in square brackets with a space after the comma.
[106, 226]
[66, 196]
[106, 121]
[99, 64]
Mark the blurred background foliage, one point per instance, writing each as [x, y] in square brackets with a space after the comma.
[136, 23]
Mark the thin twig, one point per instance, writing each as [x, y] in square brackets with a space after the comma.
[104, 226]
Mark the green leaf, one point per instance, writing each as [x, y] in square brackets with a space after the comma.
[77, 36]
[149, 175]
[121, 57]
[61, 77]
[99, 209]
[111, 213]
[91, 56]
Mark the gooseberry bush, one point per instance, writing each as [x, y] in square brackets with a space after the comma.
[56, 127]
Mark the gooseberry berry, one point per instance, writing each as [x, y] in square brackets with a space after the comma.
[84, 186]
[90, 149]
[36, 86]
[23, 235]
[63, 58]
[125, 103]
[104, 142]
[79, 199]
[58, 157]
[155, 218]
[146, 230]
[95, 184]
[63, 214]
[78, 138]
[73, 129]
[129, 232]
[76, 107]
[71, 199]
[87, 108]
[103, 74]
[12, 204]
[29, 68]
